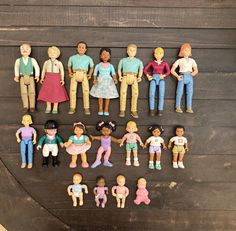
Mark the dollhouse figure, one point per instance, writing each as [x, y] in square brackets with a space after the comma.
[180, 146]
[26, 71]
[187, 70]
[120, 192]
[130, 71]
[155, 142]
[106, 128]
[50, 142]
[76, 190]
[80, 68]
[131, 139]
[104, 82]
[26, 136]
[53, 90]
[78, 144]
[142, 193]
[100, 192]
[160, 70]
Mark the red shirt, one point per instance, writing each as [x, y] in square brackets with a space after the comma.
[162, 68]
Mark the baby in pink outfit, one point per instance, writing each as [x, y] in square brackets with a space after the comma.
[142, 193]
[100, 192]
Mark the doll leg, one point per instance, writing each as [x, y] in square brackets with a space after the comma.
[85, 88]
[97, 201]
[151, 161]
[134, 99]
[45, 152]
[98, 158]
[73, 91]
[128, 163]
[161, 96]
[158, 161]
[138, 200]
[179, 93]
[123, 95]
[30, 153]
[100, 106]
[175, 157]
[84, 160]
[24, 93]
[152, 93]
[81, 199]
[32, 94]
[104, 201]
[136, 162]
[74, 199]
[123, 202]
[181, 156]
[189, 92]
[55, 108]
[118, 201]
[73, 161]
[106, 109]
[106, 158]
[54, 151]
[48, 107]
[23, 153]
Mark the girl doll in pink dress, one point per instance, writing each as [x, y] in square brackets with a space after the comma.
[142, 193]
[52, 79]
[100, 192]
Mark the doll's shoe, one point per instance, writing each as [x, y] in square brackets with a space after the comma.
[71, 111]
[159, 113]
[158, 166]
[54, 111]
[175, 165]
[136, 163]
[85, 165]
[178, 110]
[134, 114]
[189, 110]
[100, 113]
[72, 165]
[96, 163]
[23, 165]
[47, 111]
[87, 111]
[151, 165]
[108, 164]
[122, 114]
[25, 109]
[106, 113]
[32, 109]
[30, 165]
[152, 112]
[128, 163]
[181, 165]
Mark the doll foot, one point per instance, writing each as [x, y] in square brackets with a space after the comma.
[96, 163]
[100, 113]
[103, 205]
[72, 165]
[122, 114]
[47, 111]
[45, 161]
[55, 161]
[25, 109]
[97, 204]
[136, 163]
[85, 165]
[152, 112]
[81, 203]
[87, 111]
[30, 165]
[151, 165]
[158, 166]
[54, 111]
[128, 163]
[137, 202]
[134, 114]
[189, 110]
[118, 205]
[106, 113]
[108, 164]
[159, 113]
[175, 165]
[23, 165]
[122, 206]
[178, 110]
[32, 109]
[181, 165]
[75, 204]
[147, 202]
[71, 111]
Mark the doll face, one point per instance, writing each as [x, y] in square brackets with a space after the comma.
[78, 131]
[131, 129]
[81, 49]
[25, 50]
[51, 132]
[186, 52]
[27, 121]
[106, 131]
[179, 131]
[52, 54]
[158, 54]
[121, 181]
[105, 56]
[101, 183]
[142, 184]
[77, 179]
[131, 51]
[156, 132]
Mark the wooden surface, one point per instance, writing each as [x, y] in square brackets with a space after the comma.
[204, 195]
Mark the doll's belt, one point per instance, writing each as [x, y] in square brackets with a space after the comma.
[26, 75]
[130, 73]
[80, 70]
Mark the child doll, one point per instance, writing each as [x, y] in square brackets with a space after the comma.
[130, 71]
[52, 79]
[131, 139]
[26, 141]
[180, 146]
[78, 144]
[187, 69]
[25, 70]
[104, 82]
[120, 191]
[160, 70]
[142, 193]
[155, 142]
[106, 128]
[80, 68]
[49, 142]
[76, 189]
[100, 192]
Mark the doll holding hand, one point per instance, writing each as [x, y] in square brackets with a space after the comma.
[100, 192]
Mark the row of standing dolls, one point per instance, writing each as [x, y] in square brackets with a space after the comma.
[80, 142]
[100, 191]
[81, 68]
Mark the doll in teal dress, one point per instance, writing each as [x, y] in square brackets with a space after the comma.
[104, 82]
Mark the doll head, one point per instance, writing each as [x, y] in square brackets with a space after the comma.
[131, 50]
[53, 52]
[77, 178]
[141, 183]
[106, 128]
[50, 127]
[179, 130]
[25, 50]
[159, 53]
[27, 120]
[100, 181]
[156, 130]
[120, 180]
[185, 50]
[81, 47]
[131, 126]
[105, 54]
[79, 128]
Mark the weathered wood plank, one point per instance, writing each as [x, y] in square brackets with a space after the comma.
[117, 17]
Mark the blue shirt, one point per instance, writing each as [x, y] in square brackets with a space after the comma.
[130, 65]
[82, 62]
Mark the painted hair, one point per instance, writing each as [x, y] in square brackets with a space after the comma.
[183, 47]
[100, 178]
[25, 44]
[132, 45]
[110, 125]
[159, 49]
[56, 49]
[82, 43]
[105, 49]
[78, 175]
[27, 117]
[180, 126]
[79, 125]
[143, 180]
[131, 124]
[154, 127]
[120, 177]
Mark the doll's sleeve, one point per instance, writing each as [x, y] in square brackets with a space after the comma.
[112, 70]
[172, 139]
[140, 65]
[91, 63]
[70, 62]
[41, 140]
[167, 69]
[120, 65]
[17, 68]
[71, 138]
[146, 68]
[194, 64]
[96, 70]
[176, 63]
[59, 139]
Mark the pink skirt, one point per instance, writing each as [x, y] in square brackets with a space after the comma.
[76, 149]
[51, 90]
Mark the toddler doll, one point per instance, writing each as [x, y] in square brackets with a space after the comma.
[142, 193]
[100, 192]
[78, 144]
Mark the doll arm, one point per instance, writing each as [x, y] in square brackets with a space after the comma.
[139, 140]
[113, 74]
[106, 190]
[120, 66]
[59, 140]
[167, 70]
[96, 137]
[195, 71]
[186, 147]
[113, 191]
[41, 141]
[36, 69]
[90, 72]
[70, 71]
[43, 72]
[123, 140]
[164, 146]
[85, 187]
[173, 72]
[17, 70]
[170, 144]
[87, 141]
[146, 143]
[95, 74]
[140, 73]
[95, 191]
[18, 136]
[115, 140]
[126, 191]
[147, 67]
[62, 72]
[34, 137]
[68, 143]
[70, 193]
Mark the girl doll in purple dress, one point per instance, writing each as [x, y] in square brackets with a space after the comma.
[100, 192]
[106, 128]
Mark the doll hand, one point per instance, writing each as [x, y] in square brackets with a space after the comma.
[38, 147]
[115, 80]
[165, 148]
[180, 77]
[41, 81]
[114, 194]
[70, 193]
[62, 82]
[92, 137]
[186, 149]
[88, 77]
[71, 75]
[149, 77]
[62, 145]
[94, 81]
[34, 141]
[18, 140]
[120, 78]
[36, 78]
[162, 76]
[142, 145]
[169, 146]
[16, 78]
[139, 79]
[66, 144]
[121, 144]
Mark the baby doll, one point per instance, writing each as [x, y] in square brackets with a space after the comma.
[76, 189]
[26, 141]
[100, 192]
[130, 71]
[25, 70]
[160, 70]
[155, 142]
[104, 82]
[80, 68]
[187, 69]
[180, 146]
[131, 139]
[52, 79]
[106, 128]
[120, 191]
[49, 142]
[142, 193]
[78, 144]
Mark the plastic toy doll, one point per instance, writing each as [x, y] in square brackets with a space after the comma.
[130, 71]
[187, 69]
[160, 70]
[80, 68]
[49, 143]
[25, 70]
[53, 90]
[142, 193]
[180, 146]
[26, 136]
[120, 192]
[155, 142]
[131, 139]
[78, 144]
[106, 128]
[100, 192]
[76, 189]
[104, 83]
